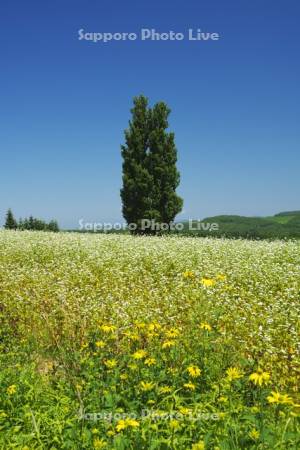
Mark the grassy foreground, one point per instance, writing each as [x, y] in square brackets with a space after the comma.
[117, 342]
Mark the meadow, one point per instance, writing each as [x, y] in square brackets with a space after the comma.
[121, 342]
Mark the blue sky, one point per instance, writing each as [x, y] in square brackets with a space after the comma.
[65, 103]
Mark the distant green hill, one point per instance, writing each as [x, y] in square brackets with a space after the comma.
[282, 225]
[288, 213]
[285, 217]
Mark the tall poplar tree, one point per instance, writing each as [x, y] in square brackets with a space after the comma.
[162, 159]
[150, 176]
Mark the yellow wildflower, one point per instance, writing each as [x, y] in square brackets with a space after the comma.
[110, 433]
[132, 423]
[146, 385]
[174, 424]
[12, 389]
[152, 335]
[199, 446]
[275, 397]
[107, 328]
[221, 277]
[188, 274]
[286, 399]
[208, 282]
[99, 443]
[139, 354]
[131, 336]
[154, 326]
[184, 411]
[233, 373]
[126, 423]
[172, 333]
[165, 390]
[194, 371]
[254, 434]
[205, 326]
[110, 363]
[150, 362]
[100, 344]
[260, 377]
[190, 386]
[168, 344]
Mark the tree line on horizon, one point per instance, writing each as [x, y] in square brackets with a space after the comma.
[30, 223]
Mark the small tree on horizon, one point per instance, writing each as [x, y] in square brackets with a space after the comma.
[10, 221]
[53, 226]
[150, 176]
[31, 223]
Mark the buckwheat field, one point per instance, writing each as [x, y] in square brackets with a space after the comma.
[120, 342]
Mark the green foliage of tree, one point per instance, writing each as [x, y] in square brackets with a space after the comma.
[150, 175]
[137, 182]
[53, 226]
[10, 221]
